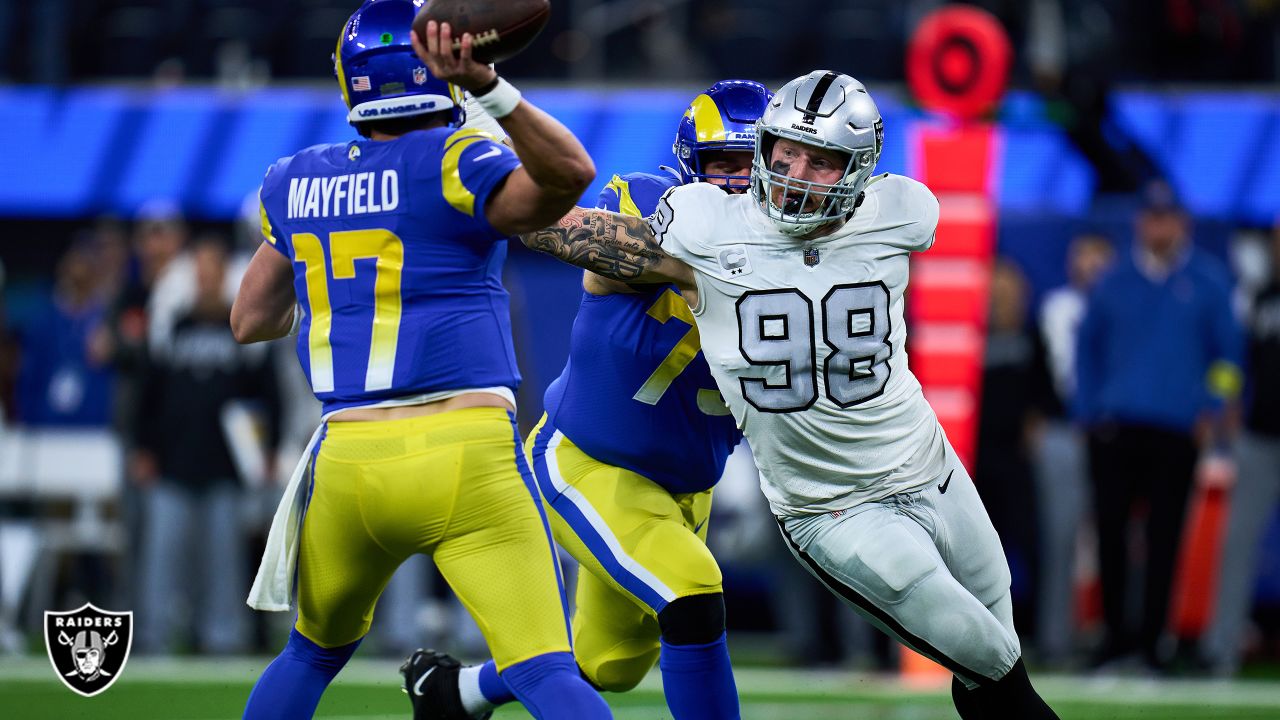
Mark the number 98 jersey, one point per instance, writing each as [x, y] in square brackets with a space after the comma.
[805, 339]
[395, 266]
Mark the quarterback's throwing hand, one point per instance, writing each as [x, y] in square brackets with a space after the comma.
[460, 69]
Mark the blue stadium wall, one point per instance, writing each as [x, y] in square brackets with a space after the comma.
[80, 152]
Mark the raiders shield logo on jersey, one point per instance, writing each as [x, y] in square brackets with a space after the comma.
[88, 646]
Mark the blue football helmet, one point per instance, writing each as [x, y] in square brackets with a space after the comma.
[722, 118]
[379, 73]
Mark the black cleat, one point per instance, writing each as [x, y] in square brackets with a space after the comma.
[431, 679]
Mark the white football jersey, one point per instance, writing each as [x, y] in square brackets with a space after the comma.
[806, 338]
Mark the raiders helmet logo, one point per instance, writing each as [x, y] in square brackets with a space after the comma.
[88, 647]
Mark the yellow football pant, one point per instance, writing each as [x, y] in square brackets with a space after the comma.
[449, 485]
[639, 546]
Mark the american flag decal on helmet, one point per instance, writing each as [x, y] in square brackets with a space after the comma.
[361, 83]
[811, 257]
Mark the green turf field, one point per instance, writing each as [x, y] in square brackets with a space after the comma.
[205, 690]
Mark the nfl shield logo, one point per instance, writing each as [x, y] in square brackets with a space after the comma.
[811, 257]
[420, 76]
[88, 647]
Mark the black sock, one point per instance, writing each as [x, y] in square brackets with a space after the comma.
[1012, 698]
[966, 700]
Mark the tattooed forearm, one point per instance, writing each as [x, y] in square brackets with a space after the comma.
[615, 246]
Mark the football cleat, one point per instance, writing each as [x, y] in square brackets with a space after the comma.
[431, 680]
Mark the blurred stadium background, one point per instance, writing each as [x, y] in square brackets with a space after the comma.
[138, 134]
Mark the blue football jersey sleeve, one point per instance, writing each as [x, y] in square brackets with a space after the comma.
[277, 240]
[473, 166]
[634, 194]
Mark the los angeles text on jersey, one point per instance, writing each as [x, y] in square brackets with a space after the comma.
[360, 193]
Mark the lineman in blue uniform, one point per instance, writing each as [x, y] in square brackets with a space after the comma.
[634, 437]
[392, 249]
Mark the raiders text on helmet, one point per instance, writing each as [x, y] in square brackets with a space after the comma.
[822, 109]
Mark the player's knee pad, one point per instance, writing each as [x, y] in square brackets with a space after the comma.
[618, 674]
[889, 566]
[693, 620]
[675, 554]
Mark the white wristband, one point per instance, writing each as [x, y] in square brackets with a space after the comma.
[501, 100]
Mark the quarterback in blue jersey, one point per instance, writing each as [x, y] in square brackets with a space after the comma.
[634, 438]
[384, 254]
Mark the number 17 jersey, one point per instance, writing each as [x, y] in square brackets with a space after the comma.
[395, 266]
[805, 339]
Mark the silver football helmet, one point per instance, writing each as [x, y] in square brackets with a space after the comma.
[823, 109]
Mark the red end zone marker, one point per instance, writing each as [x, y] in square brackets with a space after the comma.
[957, 65]
[958, 62]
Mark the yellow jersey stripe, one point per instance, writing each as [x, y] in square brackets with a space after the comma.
[455, 192]
[626, 205]
[706, 119]
[266, 223]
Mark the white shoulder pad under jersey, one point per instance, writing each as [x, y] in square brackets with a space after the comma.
[806, 340]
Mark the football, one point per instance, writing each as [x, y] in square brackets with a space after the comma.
[499, 28]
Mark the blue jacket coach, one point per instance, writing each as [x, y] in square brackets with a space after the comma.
[1158, 353]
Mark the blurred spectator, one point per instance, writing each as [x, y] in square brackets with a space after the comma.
[60, 381]
[1061, 484]
[1015, 388]
[191, 497]
[1257, 489]
[1075, 50]
[1158, 349]
[158, 238]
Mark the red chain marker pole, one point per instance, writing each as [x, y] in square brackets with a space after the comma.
[957, 68]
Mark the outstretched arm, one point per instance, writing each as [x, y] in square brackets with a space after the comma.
[620, 247]
[555, 169]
